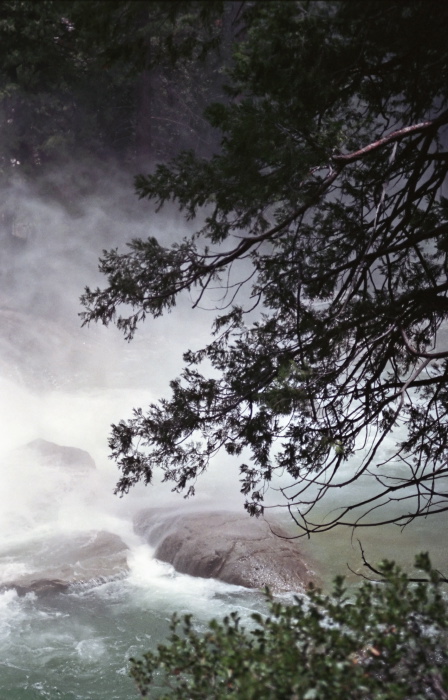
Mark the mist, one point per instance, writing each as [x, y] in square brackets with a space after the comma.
[65, 383]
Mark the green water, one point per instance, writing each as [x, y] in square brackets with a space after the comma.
[78, 645]
[338, 551]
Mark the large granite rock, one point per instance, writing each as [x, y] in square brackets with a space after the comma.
[51, 454]
[228, 546]
[57, 563]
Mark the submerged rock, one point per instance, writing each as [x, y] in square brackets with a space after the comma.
[228, 546]
[59, 562]
[41, 587]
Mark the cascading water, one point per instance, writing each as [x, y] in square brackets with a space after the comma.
[59, 520]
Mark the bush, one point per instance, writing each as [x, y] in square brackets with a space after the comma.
[387, 640]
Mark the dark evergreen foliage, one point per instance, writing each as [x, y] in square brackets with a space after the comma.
[326, 225]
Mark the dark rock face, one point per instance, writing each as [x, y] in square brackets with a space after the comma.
[52, 454]
[59, 562]
[231, 547]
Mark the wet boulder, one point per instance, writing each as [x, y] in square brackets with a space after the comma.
[53, 455]
[58, 562]
[229, 546]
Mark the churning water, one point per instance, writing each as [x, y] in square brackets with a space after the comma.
[77, 644]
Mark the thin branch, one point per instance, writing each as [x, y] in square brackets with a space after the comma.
[375, 571]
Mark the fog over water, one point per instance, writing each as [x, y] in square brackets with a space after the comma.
[66, 385]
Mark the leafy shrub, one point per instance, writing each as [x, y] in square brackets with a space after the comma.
[387, 640]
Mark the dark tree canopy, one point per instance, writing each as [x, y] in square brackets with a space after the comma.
[84, 84]
[329, 187]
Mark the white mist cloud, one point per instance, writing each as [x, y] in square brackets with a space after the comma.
[67, 384]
